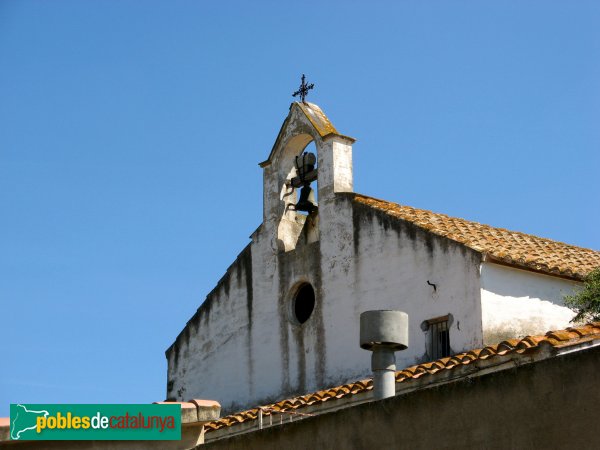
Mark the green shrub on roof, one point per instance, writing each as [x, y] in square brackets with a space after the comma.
[586, 301]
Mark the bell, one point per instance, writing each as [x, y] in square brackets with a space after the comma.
[305, 169]
[309, 161]
[307, 200]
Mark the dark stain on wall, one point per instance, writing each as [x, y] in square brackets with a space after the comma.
[298, 332]
[246, 263]
[175, 350]
[169, 386]
[283, 326]
[429, 240]
[202, 315]
[355, 230]
[364, 215]
[321, 350]
[301, 264]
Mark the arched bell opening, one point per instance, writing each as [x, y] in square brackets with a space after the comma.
[304, 180]
[298, 193]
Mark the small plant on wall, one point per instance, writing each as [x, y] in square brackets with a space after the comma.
[586, 301]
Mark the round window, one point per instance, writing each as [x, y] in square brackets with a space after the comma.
[304, 303]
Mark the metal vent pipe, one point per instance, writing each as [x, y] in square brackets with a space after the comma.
[384, 332]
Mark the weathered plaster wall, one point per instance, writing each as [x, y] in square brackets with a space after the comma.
[213, 353]
[550, 404]
[243, 346]
[381, 262]
[517, 303]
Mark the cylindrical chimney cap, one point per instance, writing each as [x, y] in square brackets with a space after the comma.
[384, 328]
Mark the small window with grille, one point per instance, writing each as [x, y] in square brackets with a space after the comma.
[438, 337]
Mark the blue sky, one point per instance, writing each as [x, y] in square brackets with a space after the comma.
[131, 132]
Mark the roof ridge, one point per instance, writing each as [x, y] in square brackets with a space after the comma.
[356, 194]
[526, 345]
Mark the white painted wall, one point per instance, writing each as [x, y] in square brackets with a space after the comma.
[243, 348]
[517, 303]
[371, 262]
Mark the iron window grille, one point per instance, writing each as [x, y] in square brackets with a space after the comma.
[439, 337]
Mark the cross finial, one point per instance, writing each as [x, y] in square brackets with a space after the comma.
[304, 88]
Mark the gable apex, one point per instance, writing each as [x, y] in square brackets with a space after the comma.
[317, 120]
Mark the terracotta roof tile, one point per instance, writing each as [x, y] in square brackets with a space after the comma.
[509, 247]
[557, 339]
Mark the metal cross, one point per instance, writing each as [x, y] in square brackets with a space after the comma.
[304, 88]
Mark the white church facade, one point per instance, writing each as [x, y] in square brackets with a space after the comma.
[284, 319]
